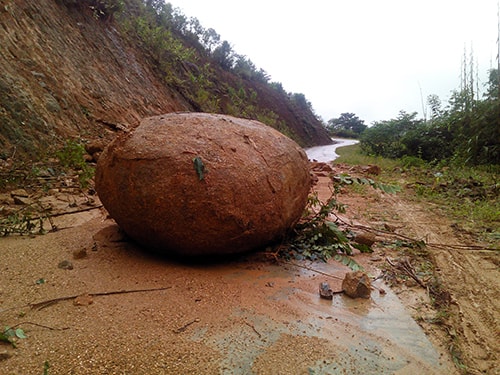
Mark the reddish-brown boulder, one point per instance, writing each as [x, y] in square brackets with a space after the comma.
[200, 184]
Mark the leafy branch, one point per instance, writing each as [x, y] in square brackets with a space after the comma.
[318, 236]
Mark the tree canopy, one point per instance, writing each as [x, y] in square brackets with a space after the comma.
[348, 125]
[466, 131]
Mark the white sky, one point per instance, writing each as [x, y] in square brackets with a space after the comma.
[369, 57]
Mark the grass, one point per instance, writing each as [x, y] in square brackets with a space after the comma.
[352, 155]
[467, 195]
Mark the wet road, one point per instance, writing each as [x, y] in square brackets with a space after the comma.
[327, 153]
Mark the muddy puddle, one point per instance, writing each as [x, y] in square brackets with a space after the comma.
[318, 336]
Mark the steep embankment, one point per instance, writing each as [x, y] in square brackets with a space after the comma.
[67, 74]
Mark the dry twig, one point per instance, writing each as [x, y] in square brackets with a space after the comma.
[405, 266]
[43, 304]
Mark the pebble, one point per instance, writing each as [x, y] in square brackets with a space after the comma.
[65, 265]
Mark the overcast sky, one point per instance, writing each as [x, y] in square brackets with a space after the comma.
[369, 57]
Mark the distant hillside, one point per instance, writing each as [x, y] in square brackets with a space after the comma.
[88, 68]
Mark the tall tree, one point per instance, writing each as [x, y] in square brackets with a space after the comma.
[348, 125]
[224, 55]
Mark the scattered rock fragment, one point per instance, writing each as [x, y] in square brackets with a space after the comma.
[4, 354]
[325, 291]
[94, 148]
[21, 197]
[372, 169]
[6, 199]
[80, 254]
[390, 228]
[357, 285]
[83, 300]
[321, 167]
[365, 238]
[19, 193]
[65, 265]
[22, 201]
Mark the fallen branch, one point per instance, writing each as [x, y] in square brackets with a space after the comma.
[313, 270]
[185, 326]
[405, 266]
[77, 211]
[253, 328]
[410, 239]
[43, 304]
[39, 325]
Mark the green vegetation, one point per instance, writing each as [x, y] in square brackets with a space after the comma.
[101, 9]
[468, 194]
[69, 167]
[348, 125]
[22, 223]
[317, 237]
[207, 72]
[9, 335]
[465, 132]
[72, 156]
[353, 155]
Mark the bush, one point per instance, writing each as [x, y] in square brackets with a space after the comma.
[72, 156]
[101, 9]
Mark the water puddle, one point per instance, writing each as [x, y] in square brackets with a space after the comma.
[339, 336]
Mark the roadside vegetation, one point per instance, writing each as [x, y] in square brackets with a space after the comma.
[467, 194]
[451, 158]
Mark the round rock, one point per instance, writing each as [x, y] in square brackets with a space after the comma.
[202, 184]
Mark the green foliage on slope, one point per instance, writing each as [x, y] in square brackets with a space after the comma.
[211, 76]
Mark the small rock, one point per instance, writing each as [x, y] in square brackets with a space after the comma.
[367, 239]
[372, 169]
[96, 145]
[325, 291]
[357, 285]
[22, 201]
[65, 265]
[83, 300]
[390, 228]
[19, 193]
[94, 148]
[4, 354]
[79, 254]
[6, 199]
[321, 167]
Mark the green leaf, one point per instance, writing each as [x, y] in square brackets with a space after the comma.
[199, 167]
[362, 247]
[349, 262]
[9, 332]
[4, 338]
[20, 333]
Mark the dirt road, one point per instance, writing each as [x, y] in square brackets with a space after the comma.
[137, 313]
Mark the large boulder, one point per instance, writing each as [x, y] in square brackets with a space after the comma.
[201, 184]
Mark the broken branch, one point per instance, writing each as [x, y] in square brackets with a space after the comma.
[43, 304]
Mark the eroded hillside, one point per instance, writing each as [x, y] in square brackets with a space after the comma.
[67, 74]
